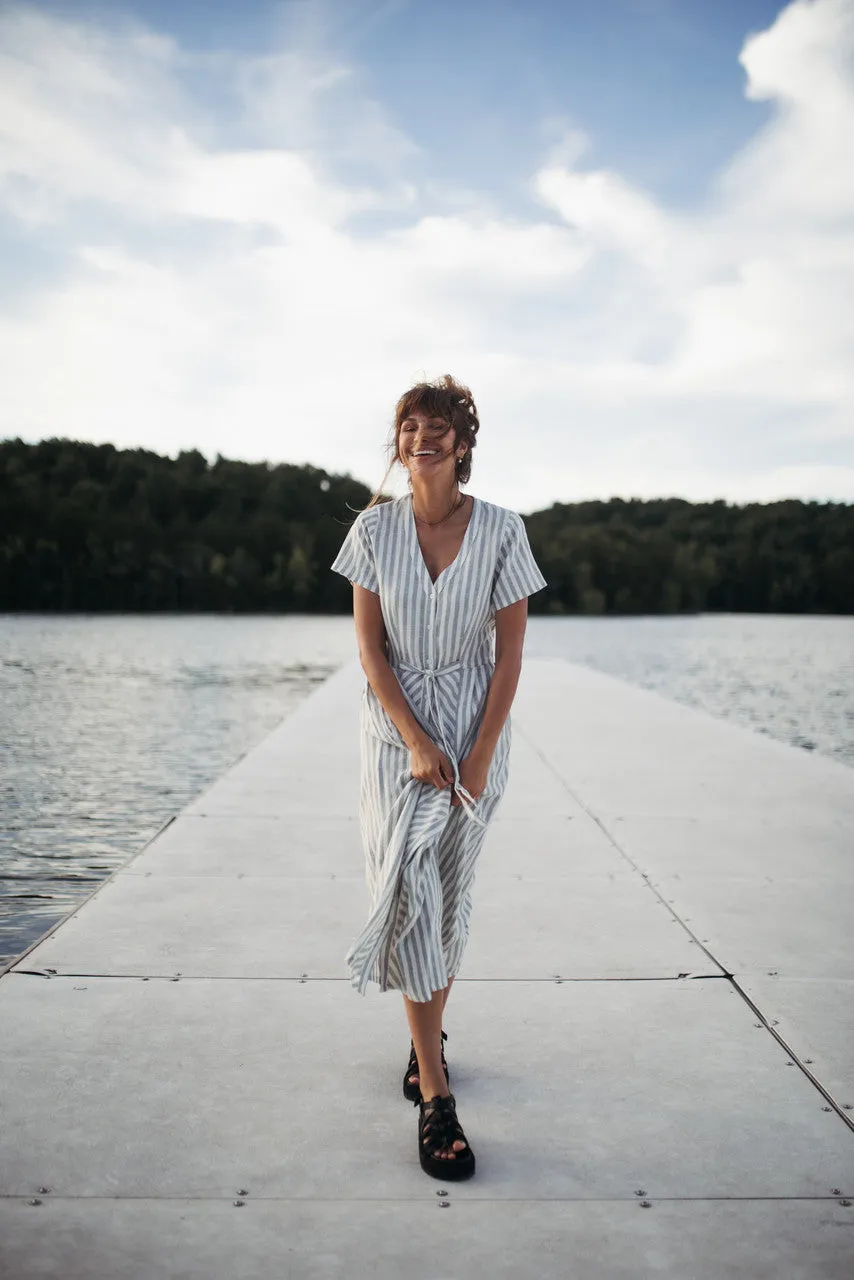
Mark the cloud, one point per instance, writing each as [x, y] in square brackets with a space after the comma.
[752, 297]
[608, 212]
[263, 270]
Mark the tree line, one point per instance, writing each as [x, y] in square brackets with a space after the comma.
[87, 527]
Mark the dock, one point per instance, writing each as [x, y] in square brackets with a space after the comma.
[651, 1039]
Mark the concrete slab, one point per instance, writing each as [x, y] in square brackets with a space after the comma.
[526, 928]
[558, 847]
[248, 845]
[210, 926]
[97, 1239]
[770, 845]
[254, 927]
[305, 779]
[299, 792]
[632, 753]
[571, 1090]
[797, 927]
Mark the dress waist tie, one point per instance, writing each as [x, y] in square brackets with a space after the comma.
[430, 674]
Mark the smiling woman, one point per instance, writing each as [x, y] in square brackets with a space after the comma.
[440, 586]
[433, 429]
[446, 412]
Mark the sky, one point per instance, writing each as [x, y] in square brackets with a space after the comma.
[626, 225]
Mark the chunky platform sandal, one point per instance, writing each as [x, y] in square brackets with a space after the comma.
[438, 1130]
[412, 1092]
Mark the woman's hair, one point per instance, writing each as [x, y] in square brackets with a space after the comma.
[445, 398]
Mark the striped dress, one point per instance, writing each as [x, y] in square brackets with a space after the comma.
[420, 851]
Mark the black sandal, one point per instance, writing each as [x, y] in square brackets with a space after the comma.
[438, 1130]
[412, 1092]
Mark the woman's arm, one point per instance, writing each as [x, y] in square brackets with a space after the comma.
[428, 762]
[510, 624]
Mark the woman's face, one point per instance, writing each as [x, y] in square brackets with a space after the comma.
[425, 443]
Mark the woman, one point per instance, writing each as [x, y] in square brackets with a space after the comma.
[438, 576]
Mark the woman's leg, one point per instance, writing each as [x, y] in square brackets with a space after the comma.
[425, 1025]
[415, 1078]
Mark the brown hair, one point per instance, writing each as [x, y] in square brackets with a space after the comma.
[445, 398]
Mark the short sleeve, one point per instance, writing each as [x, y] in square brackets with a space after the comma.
[355, 560]
[517, 573]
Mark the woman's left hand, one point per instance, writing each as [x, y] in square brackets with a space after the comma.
[474, 770]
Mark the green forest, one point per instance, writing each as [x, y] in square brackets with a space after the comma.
[88, 527]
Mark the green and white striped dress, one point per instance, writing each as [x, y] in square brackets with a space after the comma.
[420, 851]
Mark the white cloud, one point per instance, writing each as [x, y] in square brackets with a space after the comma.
[221, 288]
[608, 212]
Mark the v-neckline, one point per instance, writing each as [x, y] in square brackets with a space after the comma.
[415, 547]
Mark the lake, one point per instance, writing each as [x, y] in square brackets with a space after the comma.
[112, 724]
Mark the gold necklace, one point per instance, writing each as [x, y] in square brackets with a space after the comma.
[432, 523]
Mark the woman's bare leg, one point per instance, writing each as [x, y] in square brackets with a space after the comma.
[425, 1024]
[446, 991]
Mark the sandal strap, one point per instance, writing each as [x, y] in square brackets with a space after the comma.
[440, 1128]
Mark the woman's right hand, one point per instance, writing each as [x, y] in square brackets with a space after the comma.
[429, 764]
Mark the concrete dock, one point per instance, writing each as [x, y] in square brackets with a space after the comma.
[651, 1040]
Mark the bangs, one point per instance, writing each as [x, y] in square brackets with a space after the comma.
[434, 402]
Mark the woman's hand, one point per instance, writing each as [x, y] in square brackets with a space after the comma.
[474, 770]
[429, 764]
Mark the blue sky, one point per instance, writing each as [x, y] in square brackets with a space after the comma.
[481, 87]
[476, 84]
[626, 224]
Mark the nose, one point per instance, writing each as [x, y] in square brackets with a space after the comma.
[429, 437]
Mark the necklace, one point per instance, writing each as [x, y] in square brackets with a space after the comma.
[432, 523]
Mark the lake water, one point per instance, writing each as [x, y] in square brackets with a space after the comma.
[112, 724]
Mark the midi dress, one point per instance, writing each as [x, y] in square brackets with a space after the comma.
[420, 850]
